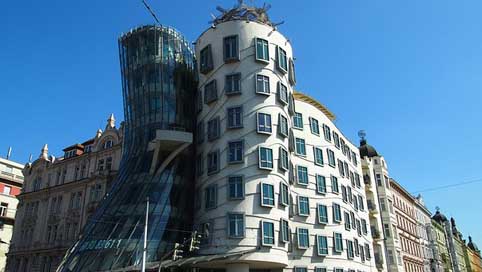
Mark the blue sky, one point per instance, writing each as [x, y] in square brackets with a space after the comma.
[408, 72]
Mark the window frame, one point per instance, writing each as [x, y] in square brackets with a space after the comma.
[235, 57]
[218, 163]
[314, 126]
[279, 57]
[283, 127]
[283, 163]
[298, 236]
[337, 241]
[231, 78]
[284, 195]
[281, 88]
[316, 152]
[265, 128]
[298, 116]
[300, 213]
[266, 82]
[207, 87]
[302, 143]
[336, 209]
[240, 160]
[265, 46]
[303, 170]
[260, 161]
[243, 234]
[229, 110]
[231, 182]
[263, 204]
[322, 218]
[284, 231]
[322, 251]
[263, 243]
[324, 191]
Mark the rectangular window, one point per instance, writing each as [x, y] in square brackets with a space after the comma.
[350, 194]
[322, 214]
[262, 50]
[282, 125]
[336, 139]
[235, 117]
[353, 157]
[349, 249]
[361, 206]
[210, 92]
[347, 221]
[235, 187]
[331, 157]
[336, 213]
[365, 228]
[302, 174]
[298, 120]
[213, 162]
[262, 84]
[282, 93]
[303, 238]
[200, 164]
[358, 227]
[367, 251]
[356, 247]
[327, 132]
[338, 242]
[268, 233]
[320, 184]
[206, 60]
[214, 129]
[321, 269]
[236, 151]
[303, 206]
[236, 225]
[231, 49]
[264, 123]
[300, 147]
[232, 84]
[334, 185]
[318, 152]
[315, 128]
[211, 196]
[353, 220]
[284, 194]
[283, 159]
[301, 269]
[344, 197]
[341, 170]
[285, 231]
[200, 132]
[267, 195]
[282, 62]
[386, 229]
[265, 158]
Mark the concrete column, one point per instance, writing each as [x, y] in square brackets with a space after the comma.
[237, 267]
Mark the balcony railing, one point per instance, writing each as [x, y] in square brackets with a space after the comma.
[11, 176]
[375, 233]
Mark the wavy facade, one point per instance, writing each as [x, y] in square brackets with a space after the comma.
[158, 83]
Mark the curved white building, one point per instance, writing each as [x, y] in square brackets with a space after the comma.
[271, 182]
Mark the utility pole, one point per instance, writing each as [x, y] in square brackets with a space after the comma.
[144, 252]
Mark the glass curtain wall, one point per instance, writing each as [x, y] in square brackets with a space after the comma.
[159, 88]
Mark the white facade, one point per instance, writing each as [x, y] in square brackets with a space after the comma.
[247, 192]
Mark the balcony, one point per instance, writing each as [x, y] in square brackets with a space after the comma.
[378, 261]
[371, 207]
[11, 176]
[375, 233]
[367, 180]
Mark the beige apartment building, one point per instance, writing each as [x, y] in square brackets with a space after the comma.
[11, 180]
[58, 197]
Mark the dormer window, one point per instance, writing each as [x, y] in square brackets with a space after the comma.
[70, 154]
[88, 149]
[108, 144]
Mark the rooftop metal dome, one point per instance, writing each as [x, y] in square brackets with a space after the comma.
[367, 150]
[439, 217]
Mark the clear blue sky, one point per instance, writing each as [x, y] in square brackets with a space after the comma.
[408, 72]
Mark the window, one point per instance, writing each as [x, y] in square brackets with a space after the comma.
[210, 92]
[298, 120]
[347, 221]
[338, 242]
[284, 194]
[264, 123]
[336, 213]
[285, 231]
[320, 269]
[353, 220]
[231, 51]
[282, 63]
[361, 206]
[268, 233]
[235, 187]
[301, 269]
[236, 225]
[292, 74]
[367, 251]
[365, 228]
[300, 147]
[318, 152]
[213, 162]
[236, 151]
[315, 128]
[353, 156]
[283, 159]
[233, 84]
[303, 206]
[235, 117]
[100, 166]
[356, 246]
[282, 93]
[200, 132]
[211, 196]
[331, 157]
[349, 249]
[357, 180]
[322, 214]
[343, 194]
[338, 270]
[303, 238]
[262, 50]
[350, 195]
[327, 132]
[265, 158]
[302, 173]
[341, 170]
[358, 227]
[336, 139]
[206, 60]
[3, 209]
[262, 84]
[200, 164]
[7, 189]
[320, 184]
[386, 229]
[334, 185]
[322, 244]
[214, 130]
[267, 195]
[282, 125]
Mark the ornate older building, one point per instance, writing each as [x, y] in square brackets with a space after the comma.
[440, 247]
[11, 181]
[58, 197]
[473, 254]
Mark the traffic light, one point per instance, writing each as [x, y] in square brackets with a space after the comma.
[177, 254]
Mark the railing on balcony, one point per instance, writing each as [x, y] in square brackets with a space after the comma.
[375, 233]
[371, 206]
[11, 176]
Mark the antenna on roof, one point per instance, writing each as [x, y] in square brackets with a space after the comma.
[150, 11]
[9, 153]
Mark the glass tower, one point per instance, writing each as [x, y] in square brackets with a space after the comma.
[159, 87]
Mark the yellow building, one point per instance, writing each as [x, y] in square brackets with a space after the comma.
[473, 254]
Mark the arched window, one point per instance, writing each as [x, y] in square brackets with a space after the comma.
[108, 144]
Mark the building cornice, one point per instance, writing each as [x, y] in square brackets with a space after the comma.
[307, 99]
